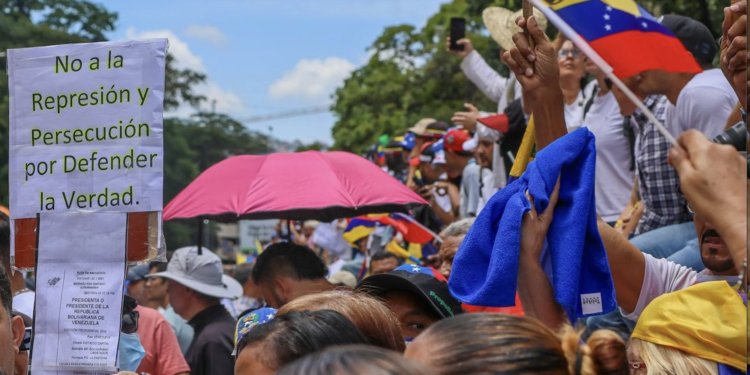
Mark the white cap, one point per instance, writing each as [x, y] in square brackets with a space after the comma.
[202, 273]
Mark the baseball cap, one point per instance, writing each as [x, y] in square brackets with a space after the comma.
[425, 282]
[695, 36]
[138, 273]
[436, 130]
[409, 140]
[393, 147]
[427, 154]
[472, 143]
[421, 126]
[248, 321]
[455, 138]
[202, 273]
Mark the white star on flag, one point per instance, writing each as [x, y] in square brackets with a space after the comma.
[609, 8]
[269, 316]
[606, 16]
[608, 27]
[415, 268]
[645, 25]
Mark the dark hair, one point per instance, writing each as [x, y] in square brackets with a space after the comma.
[4, 239]
[285, 259]
[299, 333]
[486, 343]
[354, 360]
[243, 272]
[383, 255]
[160, 266]
[5, 293]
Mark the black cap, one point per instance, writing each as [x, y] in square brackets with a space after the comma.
[695, 36]
[425, 282]
[427, 154]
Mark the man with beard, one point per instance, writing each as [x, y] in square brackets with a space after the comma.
[645, 277]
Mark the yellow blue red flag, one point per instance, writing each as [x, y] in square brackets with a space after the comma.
[626, 36]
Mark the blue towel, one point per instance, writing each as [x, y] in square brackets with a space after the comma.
[485, 269]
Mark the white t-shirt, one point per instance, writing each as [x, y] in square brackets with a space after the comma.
[488, 189]
[704, 104]
[574, 112]
[24, 303]
[469, 190]
[662, 276]
[496, 87]
[614, 179]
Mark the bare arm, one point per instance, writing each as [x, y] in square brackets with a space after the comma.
[534, 289]
[628, 213]
[626, 263]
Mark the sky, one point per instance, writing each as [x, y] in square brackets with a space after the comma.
[264, 57]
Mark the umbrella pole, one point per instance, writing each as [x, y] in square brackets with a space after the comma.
[200, 236]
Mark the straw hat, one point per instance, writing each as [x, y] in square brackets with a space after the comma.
[501, 23]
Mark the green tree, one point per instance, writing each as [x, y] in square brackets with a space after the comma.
[192, 146]
[410, 76]
[315, 146]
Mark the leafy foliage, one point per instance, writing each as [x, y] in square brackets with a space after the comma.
[411, 76]
[190, 147]
[315, 146]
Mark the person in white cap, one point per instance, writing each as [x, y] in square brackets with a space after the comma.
[197, 287]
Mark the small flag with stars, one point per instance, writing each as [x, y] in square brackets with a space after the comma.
[626, 36]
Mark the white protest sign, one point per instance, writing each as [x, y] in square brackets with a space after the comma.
[86, 149]
[86, 128]
[79, 292]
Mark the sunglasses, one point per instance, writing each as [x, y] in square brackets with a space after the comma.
[129, 315]
[563, 54]
[130, 322]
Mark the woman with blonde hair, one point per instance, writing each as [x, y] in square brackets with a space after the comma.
[370, 315]
[699, 331]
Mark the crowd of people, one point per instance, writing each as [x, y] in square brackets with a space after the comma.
[672, 222]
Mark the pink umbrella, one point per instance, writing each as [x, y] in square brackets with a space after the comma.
[295, 186]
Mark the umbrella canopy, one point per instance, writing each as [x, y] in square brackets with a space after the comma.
[308, 185]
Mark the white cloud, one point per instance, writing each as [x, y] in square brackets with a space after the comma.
[208, 33]
[312, 79]
[226, 101]
[177, 48]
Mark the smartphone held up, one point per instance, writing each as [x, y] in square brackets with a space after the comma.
[458, 32]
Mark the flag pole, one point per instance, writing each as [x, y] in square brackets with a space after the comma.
[603, 65]
[528, 11]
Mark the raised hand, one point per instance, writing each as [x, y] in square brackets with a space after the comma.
[536, 68]
[468, 47]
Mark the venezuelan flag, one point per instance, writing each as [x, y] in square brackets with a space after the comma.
[413, 231]
[360, 227]
[626, 36]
